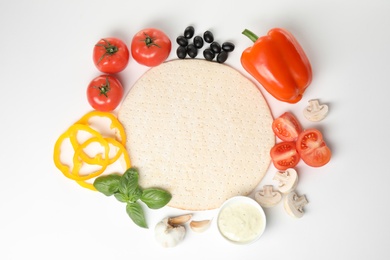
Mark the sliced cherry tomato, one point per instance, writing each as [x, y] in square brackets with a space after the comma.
[150, 47]
[104, 93]
[111, 55]
[284, 155]
[312, 148]
[287, 127]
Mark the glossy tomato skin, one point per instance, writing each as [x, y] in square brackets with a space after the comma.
[104, 93]
[287, 127]
[111, 55]
[312, 148]
[284, 155]
[150, 47]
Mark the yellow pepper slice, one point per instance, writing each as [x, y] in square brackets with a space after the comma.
[122, 152]
[80, 157]
[98, 159]
[71, 133]
[115, 124]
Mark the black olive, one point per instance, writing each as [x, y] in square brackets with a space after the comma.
[216, 47]
[208, 54]
[208, 37]
[198, 42]
[192, 51]
[228, 46]
[181, 52]
[182, 41]
[222, 56]
[189, 32]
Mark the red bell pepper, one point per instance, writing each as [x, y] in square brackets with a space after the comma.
[279, 64]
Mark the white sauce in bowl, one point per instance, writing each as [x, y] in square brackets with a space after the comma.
[241, 221]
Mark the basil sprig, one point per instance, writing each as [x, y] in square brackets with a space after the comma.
[126, 189]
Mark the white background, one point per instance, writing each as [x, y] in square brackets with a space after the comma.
[46, 64]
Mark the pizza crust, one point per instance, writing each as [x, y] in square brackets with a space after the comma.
[198, 129]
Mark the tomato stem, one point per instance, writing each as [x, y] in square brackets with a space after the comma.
[104, 88]
[110, 49]
[149, 41]
[253, 37]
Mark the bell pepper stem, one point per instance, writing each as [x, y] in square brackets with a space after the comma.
[253, 37]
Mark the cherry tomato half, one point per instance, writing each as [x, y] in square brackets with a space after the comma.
[104, 93]
[284, 155]
[287, 127]
[111, 55]
[150, 47]
[312, 148]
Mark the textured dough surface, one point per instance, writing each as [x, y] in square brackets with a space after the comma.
[198, 129]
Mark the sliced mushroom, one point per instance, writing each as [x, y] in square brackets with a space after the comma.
[315, 111]
[294, 204]
[169, 235]
[287, 179]
[200, 226]
[267, 197]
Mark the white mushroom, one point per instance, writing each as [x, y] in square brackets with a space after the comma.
[200, 225]
[267, 197]
[170, 231]
[294, 204]
[315, 111]
[287, 179]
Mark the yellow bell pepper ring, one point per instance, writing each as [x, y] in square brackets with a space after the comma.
[78, 163]
[121, 152]
[120, 133]
[71, 133]
[82, 136]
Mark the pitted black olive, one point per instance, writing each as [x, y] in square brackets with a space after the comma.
[216, 47]
[222, 56]
[192, 51]
[189, 32]
[198, 42]
[228, 46]
[208, 37]
[182, 41]
[181, 52]
[208, 54]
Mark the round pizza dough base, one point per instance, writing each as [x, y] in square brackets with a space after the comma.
[198, 129]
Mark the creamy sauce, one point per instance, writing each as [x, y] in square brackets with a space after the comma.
[240, 222]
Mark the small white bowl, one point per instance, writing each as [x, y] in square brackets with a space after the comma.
[241, 220]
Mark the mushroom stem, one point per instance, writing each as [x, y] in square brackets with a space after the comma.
[300, 201]
[268, 197]
[315, 111]
[282, 177]
[294, 204]
[287, 179]
[268, 191]
[314, 105]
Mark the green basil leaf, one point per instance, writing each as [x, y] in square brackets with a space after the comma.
[155, 198]
[108, 185]
[122, 197]
[136, 213]
[136, 195]
[129, 182]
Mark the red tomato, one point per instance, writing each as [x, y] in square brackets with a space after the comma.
[287, 127]
[111, 55]
[150, 47]
[312, 148]
[284, 155]
[104, 93]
